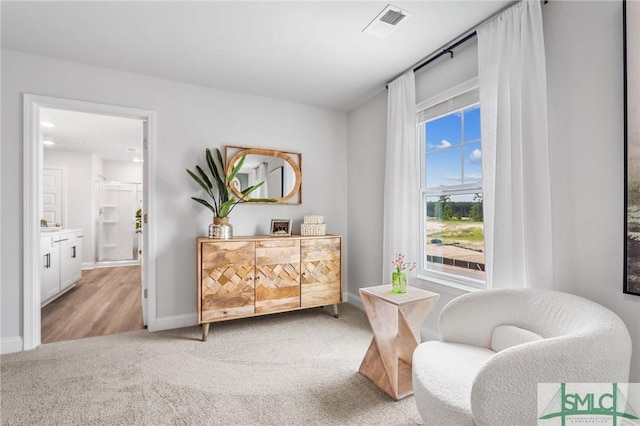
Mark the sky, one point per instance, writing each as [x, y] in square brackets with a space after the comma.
[453, 149]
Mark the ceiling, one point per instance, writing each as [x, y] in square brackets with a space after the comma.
[301, 51]
[109, 137]
[310, 52]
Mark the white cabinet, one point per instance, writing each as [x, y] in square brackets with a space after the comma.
[70, 270]
[61, 263]
[50, 272]
[75, 259]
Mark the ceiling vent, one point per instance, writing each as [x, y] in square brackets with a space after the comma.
[386, 21]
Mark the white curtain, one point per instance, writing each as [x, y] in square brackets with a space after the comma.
[401, 177]
[515, 152]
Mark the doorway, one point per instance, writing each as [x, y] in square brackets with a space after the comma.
[35, 108]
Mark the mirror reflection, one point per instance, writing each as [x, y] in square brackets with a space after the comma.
[280, 172]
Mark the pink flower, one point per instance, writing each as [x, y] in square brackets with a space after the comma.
[400, 264]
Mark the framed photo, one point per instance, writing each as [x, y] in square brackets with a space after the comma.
[631, 15]
[280, 227]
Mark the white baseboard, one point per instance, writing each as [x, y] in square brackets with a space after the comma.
[115, 263]
[173, 321]
[10, 345]
[88, 266]
[354, 299]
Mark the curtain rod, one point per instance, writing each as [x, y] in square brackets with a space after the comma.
[444, 51]
[457, 41]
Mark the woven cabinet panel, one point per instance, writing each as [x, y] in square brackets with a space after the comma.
[321, 271]
[228, 292]
[277, 287]
[320, 283]
[278, 275]
[226, 281]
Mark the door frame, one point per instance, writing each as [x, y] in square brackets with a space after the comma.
[32, 203]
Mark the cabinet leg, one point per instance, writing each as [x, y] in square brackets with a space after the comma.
[205, 331]
[335, 310]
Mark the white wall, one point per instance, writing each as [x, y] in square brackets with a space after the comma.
[122, 171]
[445, 73]
[189, 118]
[585, 90]
[585, 95]
[79, 189]
[367, 133]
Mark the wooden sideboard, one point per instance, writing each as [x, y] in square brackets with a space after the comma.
[249, 276]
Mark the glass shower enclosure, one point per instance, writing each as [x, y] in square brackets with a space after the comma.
[117, 206]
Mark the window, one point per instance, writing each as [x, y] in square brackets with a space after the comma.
[452, 237]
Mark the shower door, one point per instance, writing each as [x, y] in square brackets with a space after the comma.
[116, 221]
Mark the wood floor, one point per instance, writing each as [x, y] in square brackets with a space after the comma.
[104, 301]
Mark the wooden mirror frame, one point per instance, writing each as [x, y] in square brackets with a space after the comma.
[286, 156]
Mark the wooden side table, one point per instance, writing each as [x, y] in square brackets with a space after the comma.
[395, 320]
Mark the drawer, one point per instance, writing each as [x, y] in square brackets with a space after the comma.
[65, 238]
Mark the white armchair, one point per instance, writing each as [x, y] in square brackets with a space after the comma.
[497, 345]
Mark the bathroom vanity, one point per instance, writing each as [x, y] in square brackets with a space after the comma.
[61, 261]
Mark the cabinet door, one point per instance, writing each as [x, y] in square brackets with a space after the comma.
[226, 280]
[50, 277]
[76, 260]
[277, 275]
[321, 274]
[66, 265]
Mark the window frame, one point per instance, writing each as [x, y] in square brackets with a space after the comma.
[440, 277]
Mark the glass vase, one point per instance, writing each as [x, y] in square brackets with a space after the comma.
[399, 282]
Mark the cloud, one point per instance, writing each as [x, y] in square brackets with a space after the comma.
[444, 144]
[476, 155]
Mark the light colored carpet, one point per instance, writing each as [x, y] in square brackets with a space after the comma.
[297, 368]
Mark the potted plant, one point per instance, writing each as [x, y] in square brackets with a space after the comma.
[138, 221]
[217, 188]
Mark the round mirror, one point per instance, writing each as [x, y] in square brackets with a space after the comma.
[280, 172]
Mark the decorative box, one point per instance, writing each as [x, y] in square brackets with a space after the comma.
[313, 229]
[313, 218]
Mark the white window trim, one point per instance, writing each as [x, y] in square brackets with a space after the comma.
[438, 277]
[447, 94]
[451, 281]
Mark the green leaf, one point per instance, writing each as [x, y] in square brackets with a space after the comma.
[220, 183]
[204, 177]
[214, 168]
[236, 168]
[261, 200]
[224, 190]
[227, 206]
[206, 204]
[204, 185]
[199, 180]
[250, 189]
